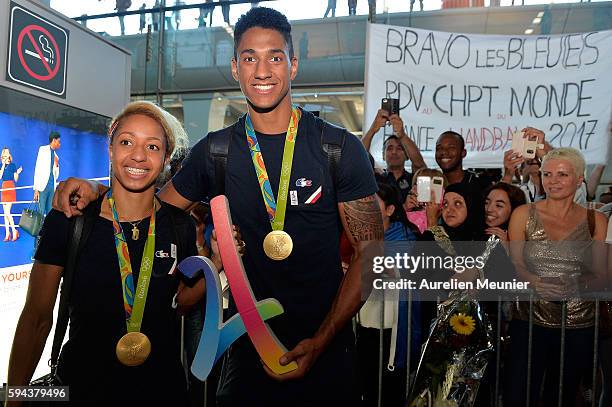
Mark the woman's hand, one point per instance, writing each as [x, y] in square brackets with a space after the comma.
[187, 297]
[433, 211]
[19, 170]
[240, 245]
[411, 203]
[499, 232]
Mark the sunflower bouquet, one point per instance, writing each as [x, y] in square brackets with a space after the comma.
[456, 354]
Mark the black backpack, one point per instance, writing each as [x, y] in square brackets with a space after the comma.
[332, 141]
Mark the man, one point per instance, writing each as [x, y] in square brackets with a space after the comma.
[122, 6]
[396, 150]
[331, 6]
[318, 300]
[46, 172]
[450, 152]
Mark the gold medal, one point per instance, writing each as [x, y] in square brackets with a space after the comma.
[133, 349]
[278, 245]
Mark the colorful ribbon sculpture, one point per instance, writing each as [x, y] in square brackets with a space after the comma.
[216, 335]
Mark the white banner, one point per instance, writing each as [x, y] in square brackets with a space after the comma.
[485, 87]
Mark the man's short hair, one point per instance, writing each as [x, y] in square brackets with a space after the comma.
[455, 134]
[53, 136]
[394, 137]
[263, 17]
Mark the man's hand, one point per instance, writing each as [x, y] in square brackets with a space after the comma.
[36, 196]
[304, 354]
[398, 125]
[382, 117]
[73, 195]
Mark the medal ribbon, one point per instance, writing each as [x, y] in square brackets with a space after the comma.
[133, 301]
[275, 208]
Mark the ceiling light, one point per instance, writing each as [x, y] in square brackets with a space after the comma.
[536, 20]
[529, 31]
[540, 14]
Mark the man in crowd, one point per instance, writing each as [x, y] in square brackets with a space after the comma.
[396, 150]
[318, 300]
[450, 152]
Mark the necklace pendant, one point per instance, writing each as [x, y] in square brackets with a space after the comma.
[135, 232]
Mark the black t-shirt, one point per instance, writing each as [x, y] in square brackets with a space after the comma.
[307, 281]
[403, 183]
[88, 363]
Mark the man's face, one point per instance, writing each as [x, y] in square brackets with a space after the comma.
[55, 144]
[394, 154]
[449, 154]
[263, 68]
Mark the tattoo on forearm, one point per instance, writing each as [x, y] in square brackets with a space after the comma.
[364, 219]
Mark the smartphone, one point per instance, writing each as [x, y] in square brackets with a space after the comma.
[524, 146]
[423, 189]
[390, 105]
[437, 185]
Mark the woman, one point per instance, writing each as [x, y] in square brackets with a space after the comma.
[551, 246]
[132, 225]
[9, 174]
[395, 325]
[501, 199]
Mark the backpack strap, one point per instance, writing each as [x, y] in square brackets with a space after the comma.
[81, 227]
[218, 151]
[332, 142]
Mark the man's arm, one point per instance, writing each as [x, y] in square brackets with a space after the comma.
[593, 181]
[379, 121]
[74, 194]
[170, 195]
[410, 147]
[362, 223]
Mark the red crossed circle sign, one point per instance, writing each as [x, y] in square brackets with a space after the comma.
[31, 31]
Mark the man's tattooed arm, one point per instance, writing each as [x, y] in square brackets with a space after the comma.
[362, 222]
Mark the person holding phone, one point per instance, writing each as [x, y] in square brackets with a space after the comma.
[396, 148]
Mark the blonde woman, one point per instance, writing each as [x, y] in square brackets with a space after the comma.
[551, 242]
[9, 174]
[133, 229]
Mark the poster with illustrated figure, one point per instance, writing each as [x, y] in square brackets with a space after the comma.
[35, 155]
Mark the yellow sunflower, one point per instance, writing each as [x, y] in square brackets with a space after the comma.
[462, 324]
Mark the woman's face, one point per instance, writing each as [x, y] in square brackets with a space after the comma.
[559, 179]
[497, 208]
[5, 156]
[137, 153]
[454, 210]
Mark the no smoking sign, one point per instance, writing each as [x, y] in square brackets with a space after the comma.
[37, 52]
